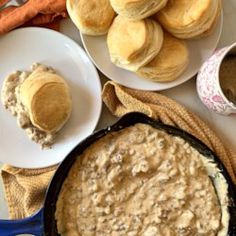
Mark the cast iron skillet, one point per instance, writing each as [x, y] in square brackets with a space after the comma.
[44, 223]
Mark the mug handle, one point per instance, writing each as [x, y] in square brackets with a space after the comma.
[30, 225]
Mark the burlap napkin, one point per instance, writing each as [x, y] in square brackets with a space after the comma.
[45, 13]
[25, 189]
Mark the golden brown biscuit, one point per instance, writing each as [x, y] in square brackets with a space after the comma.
[92, 17]
[137, 9]
[46, 97]
[189, 18]
[212, 27]
[170, 62]
[133, 44]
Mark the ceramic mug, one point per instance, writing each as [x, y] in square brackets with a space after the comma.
[208, 83]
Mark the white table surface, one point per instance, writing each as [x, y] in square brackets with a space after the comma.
[185, 94]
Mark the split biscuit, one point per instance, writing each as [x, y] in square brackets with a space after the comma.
[46, 98]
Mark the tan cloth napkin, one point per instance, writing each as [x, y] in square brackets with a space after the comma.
[45, 13]
[25, 189]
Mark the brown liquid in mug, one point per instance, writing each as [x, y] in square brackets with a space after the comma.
[227, 76]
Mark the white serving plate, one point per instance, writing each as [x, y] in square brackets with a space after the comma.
[19, 49]
[199, 50]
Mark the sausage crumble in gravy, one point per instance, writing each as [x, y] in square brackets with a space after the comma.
[140, 181]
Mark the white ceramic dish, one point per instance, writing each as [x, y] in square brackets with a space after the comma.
[19, 49]
[199, 50]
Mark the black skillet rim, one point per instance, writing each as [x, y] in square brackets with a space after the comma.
[49, 222]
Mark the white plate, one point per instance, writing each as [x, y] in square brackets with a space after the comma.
[199, 50]
[18, 50]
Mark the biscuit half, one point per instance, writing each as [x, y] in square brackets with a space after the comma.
[46, 97]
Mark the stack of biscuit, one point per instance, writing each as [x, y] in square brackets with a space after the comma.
[138, 43]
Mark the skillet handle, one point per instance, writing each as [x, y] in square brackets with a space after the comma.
[233, 220]
[31, 225]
